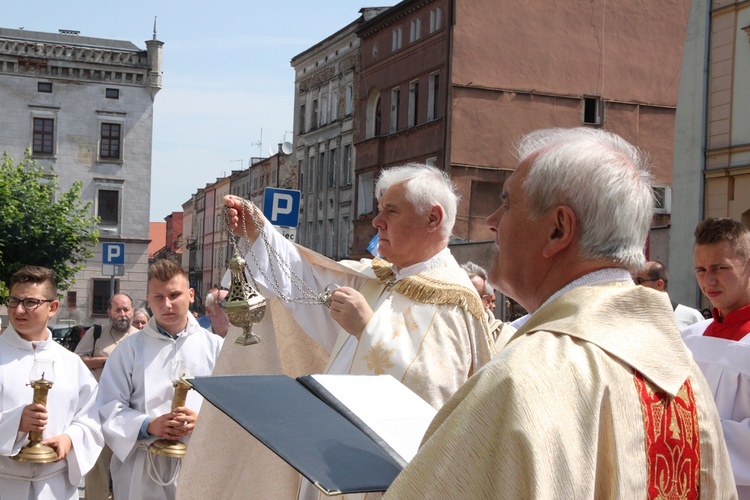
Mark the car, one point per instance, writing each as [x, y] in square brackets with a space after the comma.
[59, 332]
[68, 336]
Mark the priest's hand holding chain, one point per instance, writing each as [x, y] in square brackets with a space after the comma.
[350, 310]
[236, 206]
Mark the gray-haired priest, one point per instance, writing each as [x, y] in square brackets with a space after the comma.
[412, 314]
[596, 395]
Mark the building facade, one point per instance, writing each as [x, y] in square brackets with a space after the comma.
[712, 139]
[85, 106]
[455, 83]
[326, 89]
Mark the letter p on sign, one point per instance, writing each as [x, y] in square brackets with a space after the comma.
[276, 207]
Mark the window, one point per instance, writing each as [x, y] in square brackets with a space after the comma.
[302, 119]
[311, 172]
[71, 301]
[346, 178]
[330, 233]
[301, 170]
[45, 87]
[432, 96]
[333, 165]
[416, 29]
[334, 104]
[314, 116]
[395, 97]
[108, 206]
[413, 103]
[44, 136]
[396, 41]
[662, 199]
[344, 237]
[100, 295]
[321, 170]
[319, 237]
[435, 19]
[365, 193]
[348, 104]
[112, 93]
[110, 141]
[592, 111]
[378, 118]
[324, 109]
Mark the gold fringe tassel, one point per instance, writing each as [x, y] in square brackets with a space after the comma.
[431, 291]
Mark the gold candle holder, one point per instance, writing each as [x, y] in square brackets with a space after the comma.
[172, 447]
[35, 451]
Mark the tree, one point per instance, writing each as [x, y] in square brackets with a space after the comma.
[39, 225]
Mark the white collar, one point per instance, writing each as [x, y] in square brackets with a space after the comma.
[420, 267]
[11, 336]
[593, 278]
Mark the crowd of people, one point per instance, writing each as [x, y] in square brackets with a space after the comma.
[605, 389]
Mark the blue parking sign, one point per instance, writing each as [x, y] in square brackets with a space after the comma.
[113, 253]
[281, 206]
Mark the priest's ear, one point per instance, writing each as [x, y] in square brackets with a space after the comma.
[561, 229]
[435, 217]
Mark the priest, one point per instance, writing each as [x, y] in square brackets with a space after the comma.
[596, 395]
[413, 314]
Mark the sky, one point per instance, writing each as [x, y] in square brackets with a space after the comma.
[228, 86]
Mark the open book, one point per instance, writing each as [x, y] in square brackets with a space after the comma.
[344, 433]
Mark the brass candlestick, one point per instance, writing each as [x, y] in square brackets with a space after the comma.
[244, 305]
[172, 447]
[35, 451]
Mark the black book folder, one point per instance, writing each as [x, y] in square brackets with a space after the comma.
[323, 445]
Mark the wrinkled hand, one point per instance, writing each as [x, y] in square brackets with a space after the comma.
[33, 418]
[173, 425]
[61, 444]
[235, 204]
[350, 310]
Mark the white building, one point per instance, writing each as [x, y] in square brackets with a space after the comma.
[85, 105]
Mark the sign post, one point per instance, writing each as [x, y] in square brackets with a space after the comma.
[281, 208]
[113, 263]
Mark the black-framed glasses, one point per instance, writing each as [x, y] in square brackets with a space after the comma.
[640, 281]
[28, 304]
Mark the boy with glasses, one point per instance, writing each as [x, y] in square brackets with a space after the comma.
[69, 422]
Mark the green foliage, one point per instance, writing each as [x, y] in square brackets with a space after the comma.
[42, 226]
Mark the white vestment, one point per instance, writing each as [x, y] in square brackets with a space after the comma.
[428, 318]
[726, 365]
[137, 384]
[569, 408]
[428, 330]
[71, 410]
[685, 316]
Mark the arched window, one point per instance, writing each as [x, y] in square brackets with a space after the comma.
[374, 115]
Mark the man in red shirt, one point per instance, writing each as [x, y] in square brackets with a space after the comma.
[721, 345]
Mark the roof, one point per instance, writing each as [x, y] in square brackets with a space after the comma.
[157, 231]
[76, 40]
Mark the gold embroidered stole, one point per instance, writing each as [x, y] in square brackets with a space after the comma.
[395, 334]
